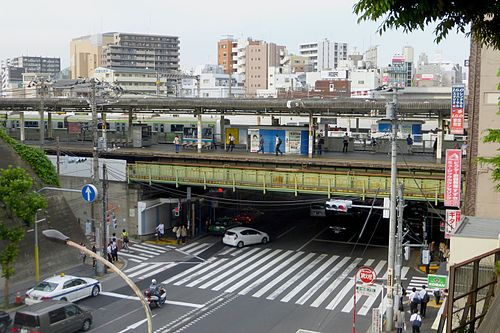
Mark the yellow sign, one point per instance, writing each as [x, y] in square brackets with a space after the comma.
[234, 132]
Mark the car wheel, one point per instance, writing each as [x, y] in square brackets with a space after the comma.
[64, 299]
[95, 291]
[240, 244]
[264, 240]
[86, 325]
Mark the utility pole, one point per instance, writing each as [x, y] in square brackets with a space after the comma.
[104, 208]
[230, 82]
[95, 138]
[391, 109]
[399, 247]
[58, 151]
[158, 84]
[42, 120]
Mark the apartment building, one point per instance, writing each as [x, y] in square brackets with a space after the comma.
[324, 54]
[159, 53]
[47, 65]
[133, 80]
[227, 50]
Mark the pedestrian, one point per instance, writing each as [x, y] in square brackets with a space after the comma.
[113, 238]
[435, 146]
[424, 299]
[93, 259]
[184, 233]
[416, 322]
[464, 148]
[345, 141]
[177, 143]
[109, 251]
[399, 319]
[207, 225]
[125, 239]
[160, 231]
[414, 300]
[319, 144]
[277, 145]
[261, 144]
[437, 295]
[374, 144]
[231, 143]
[213, 143]
[455, 144]
[83, 254]
[114, 251]
[409, 144]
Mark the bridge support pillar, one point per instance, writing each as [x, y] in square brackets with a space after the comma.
[50, 134]
[440, 139]
[199, 132]
[311, 136]
[21, 126]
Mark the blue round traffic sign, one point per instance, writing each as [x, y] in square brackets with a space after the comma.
[89, 192]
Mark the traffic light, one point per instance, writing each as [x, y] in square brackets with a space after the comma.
[176, 211]
[338, 205]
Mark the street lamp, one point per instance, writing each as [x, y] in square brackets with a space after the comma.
[58, 236]
[37, 261]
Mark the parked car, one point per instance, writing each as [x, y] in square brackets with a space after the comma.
[52, 317]
[63, 287]
[4, 321]
[220, 225]
[241, 236]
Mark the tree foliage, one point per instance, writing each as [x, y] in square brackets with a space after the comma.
[20, 204]
[481, 18]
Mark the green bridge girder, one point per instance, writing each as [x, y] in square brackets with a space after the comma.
[418, 186]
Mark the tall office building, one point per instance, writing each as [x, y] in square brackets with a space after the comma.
[324, 54]
[159, 53]
[45, 65]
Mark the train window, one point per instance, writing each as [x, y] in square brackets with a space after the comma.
[15, 124]
[60, 124]
[162, 128]
[155, 127]
[176, 128]
[31, 124]
[207, 132]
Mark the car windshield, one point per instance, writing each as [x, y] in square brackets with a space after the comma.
[26, 320]
[46, 286]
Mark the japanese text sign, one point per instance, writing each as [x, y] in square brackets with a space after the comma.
[453, 181]
[452, 220]
[457, 109]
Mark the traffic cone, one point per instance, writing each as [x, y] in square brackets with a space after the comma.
[18, 300]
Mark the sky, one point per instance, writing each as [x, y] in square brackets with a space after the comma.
[45, 27]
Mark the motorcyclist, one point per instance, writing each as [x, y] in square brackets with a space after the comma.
[154, 290]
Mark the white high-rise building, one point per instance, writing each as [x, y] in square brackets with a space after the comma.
[325, 54]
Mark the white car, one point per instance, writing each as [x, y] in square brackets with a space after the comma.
[241, 236]
[63, 287]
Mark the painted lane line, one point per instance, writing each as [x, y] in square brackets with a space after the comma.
[311, 291]
[286, 232]
[246, 270]
[348, 243]
[187, 304]
[234, 269]
[328, 291]
[159, 270]
[141, 265]
[278, 279]
[261, 269]
[201, 271]
[350, 303]
[349, 286]
[149, 267]
[134, 326]
[222, 268]
[296, 277]
[313, 238]
[111, 294]
[133, 256]
[309, 279]
[186, 247]
[275, 270]
[142, 251]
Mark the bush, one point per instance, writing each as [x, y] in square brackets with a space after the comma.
[36, 158]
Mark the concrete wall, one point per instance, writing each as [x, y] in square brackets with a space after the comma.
[464, 248]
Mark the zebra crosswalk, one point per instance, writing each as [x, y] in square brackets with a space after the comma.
[306, 279]
[417, 282]
[139, 253]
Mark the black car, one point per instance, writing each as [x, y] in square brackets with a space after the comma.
[222, 224]
[4, 321]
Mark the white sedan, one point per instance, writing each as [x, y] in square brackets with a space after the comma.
[63, 287]
[241, 236]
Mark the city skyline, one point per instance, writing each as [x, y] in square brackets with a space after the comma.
[199, 28]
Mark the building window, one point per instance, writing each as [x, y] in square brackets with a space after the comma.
[361, 82]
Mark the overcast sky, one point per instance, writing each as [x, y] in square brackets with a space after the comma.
[45, 27]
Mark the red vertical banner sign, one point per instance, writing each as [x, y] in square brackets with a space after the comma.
[453, 178]
[457, 109]
[452, 220]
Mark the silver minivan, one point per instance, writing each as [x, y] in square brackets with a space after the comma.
[52, 317]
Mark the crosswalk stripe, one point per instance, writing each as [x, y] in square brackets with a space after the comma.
[149, 267]
[369, 302]
[246, 270]
[222, 268]
[350, 303]
[186, 247]
[148, 248]
[227, 251]
[202, 250]
[141, 265]
[186, 272]
[160, 269]
[259, 271]
[297, 276]
[349, 286]
[143, 257]
[404, 271]
[201, 271]
[153, 246]
[197, 248]
[309, 279]
[142, 251]
[135, 260]
[278, 279]
[322, 281]
[234, 269]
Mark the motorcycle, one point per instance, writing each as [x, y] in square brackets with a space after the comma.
[157, 299]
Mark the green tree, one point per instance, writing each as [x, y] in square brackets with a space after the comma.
[20, 204]
[481, 17]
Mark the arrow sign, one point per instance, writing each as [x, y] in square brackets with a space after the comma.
[89, 193]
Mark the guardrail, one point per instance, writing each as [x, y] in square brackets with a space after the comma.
[365, 185]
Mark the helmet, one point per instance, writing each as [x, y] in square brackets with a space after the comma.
[153, 281]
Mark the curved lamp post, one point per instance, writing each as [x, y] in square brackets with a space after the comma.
[56, 235]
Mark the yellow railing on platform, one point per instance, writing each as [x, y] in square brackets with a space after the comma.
[364, 185]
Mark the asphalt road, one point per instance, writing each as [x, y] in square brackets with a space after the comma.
[302, 279]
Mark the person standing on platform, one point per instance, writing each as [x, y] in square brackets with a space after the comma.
[345, 141]
[261, 144]
[231, 143]
[213, 144]
[319, 144]
[409, 144]
[278, 144]
[177, 143]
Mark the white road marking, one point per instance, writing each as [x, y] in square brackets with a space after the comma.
[186, 272]
[297, 276]
[322, 281]
[192, 305]
[309, 279]
[350, 303]
[313, 238]
[162, 268]
[149, 267]
[287, 231]
[135, 260]
[128, 255]
[278, 279]
[141, 251]
[186, 247]
[155, 246]
[369, 302]
[201, 271]
[327, 292]
[195, 249]
[226, 251]
[134, 326]
[149, 247]
[347, 287]
[141, 265]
